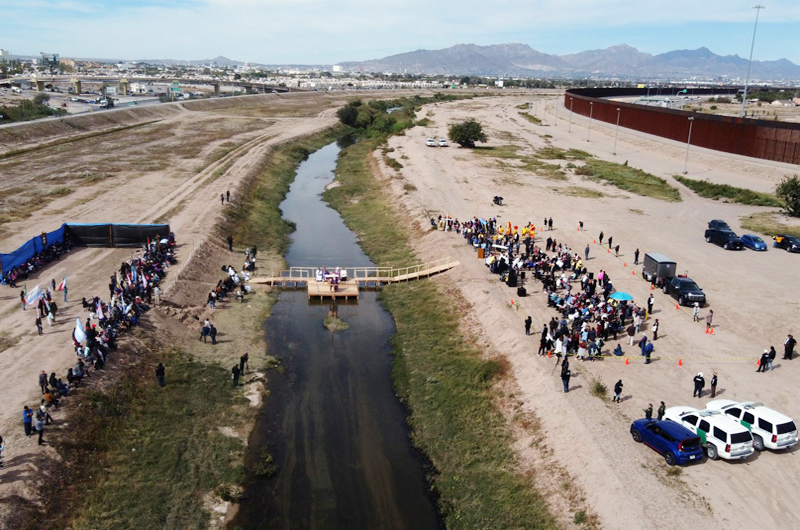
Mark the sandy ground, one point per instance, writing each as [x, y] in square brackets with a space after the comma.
[753, 295]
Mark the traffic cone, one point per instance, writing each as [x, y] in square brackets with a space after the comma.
[512, 301]
[678, 307]
[710, 331]
[707, 328]
[633, 273]
[608, 250]
[627, 360]
[594, 241]
[651, 286]
[624, 263]
[548, 354]
[680, 362]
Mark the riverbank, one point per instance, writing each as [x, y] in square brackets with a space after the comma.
[450, 386]
[173, 457]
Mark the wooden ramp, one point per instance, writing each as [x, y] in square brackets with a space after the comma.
[357, 277]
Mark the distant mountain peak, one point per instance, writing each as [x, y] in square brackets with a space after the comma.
[519, 59]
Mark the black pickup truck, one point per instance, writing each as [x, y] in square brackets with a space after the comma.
[685, 291]
[725, 238]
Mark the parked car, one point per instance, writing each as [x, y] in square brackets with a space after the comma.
[770, 428]
[721, 436]
[677, 444]
[430, 142]
[754, 242]
[718, 224]
[684, 290]
[726, 238]
[442, 142]
[657, 268]
[786, 242]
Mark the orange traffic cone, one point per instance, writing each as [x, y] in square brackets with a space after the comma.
[624, 263]
[594, 241]
[608, 250]
[512, 301]
[633, 273]
[651, 286]
[677, 307]
[627, 360]
[680, 362]
[710, 331]
[548, 354]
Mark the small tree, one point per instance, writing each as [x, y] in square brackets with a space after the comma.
[41, 99]
[789, 191]
[467, 133]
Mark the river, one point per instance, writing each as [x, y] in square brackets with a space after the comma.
[332, 423]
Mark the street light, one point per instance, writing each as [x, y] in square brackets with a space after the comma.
[569, 129]
[758, 9]
[589, 132]
[616, 132]
[557, 104]
[688, 142]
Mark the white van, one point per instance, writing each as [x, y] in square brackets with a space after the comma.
[770, 428]
[721, 436]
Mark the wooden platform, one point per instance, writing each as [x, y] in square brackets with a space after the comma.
[357, 277]
[323, 290]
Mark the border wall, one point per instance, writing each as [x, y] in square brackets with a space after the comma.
[770, 140]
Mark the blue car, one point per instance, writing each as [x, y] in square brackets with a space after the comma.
[753, 242]
[678, 444]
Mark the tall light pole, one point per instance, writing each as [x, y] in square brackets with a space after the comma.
[557, 104]
[589, 132]
[569, 129]
[758, 9]
[688, 142]
[616, 132]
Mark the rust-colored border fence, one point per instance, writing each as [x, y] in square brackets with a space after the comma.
[778, 141]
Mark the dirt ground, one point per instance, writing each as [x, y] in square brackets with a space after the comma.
[753, 295]
[197, 151]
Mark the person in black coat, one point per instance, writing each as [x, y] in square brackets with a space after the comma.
[699, 383]
[763, 362]
[617, 392]
[788, 347]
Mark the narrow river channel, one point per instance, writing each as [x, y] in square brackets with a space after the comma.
[332, 422]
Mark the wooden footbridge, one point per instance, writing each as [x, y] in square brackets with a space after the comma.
[357, 277]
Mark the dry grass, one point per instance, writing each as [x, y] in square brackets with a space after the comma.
[579, 191]
[768, 224]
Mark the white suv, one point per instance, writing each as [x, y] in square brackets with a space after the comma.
[722, 437]
[442, 142]
[770, 428]
[430, 142]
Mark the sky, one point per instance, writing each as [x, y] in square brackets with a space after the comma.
[331, 31]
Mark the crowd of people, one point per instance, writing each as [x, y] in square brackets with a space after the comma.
[131, 291]
[22, 272]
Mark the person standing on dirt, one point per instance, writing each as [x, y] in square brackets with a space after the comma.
[655, 330]
[230, 243]
[610, 239]
[550, 224]
[528, 322]
[243, 362]
[160, 372]
[662, 409]
[696, 313]
[714, 385]
[580, 226]
[235, 371]
[27, 420]
[228, 195]
[600, 238]
[212, 332]
[565, 375]
[650, 302]
[699, 383]
[636, 257]
[709, 319]
[788, 347]
[43, 381]
[222, 198]
[39, 425]
[631, 330]
[763, 362]
[22, 299]
[617, 392]
[39, 324]
[648, 412]
[772, 355]
[586, 253]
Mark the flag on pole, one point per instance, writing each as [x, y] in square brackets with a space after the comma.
[79, 334]
[63, 284]
[32, 297]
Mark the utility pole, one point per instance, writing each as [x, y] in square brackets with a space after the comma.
[589, 132]
[688, 143]
[758, 9]
[616, 131]
[569, 128]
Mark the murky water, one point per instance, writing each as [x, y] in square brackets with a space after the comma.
[332, 423]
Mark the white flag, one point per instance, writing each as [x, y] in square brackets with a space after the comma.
[34, 295]
[79, 334]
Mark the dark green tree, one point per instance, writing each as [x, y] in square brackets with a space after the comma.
[466, 133]
[349, 113]
[789, 191]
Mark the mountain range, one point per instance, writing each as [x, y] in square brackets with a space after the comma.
[622, 60]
